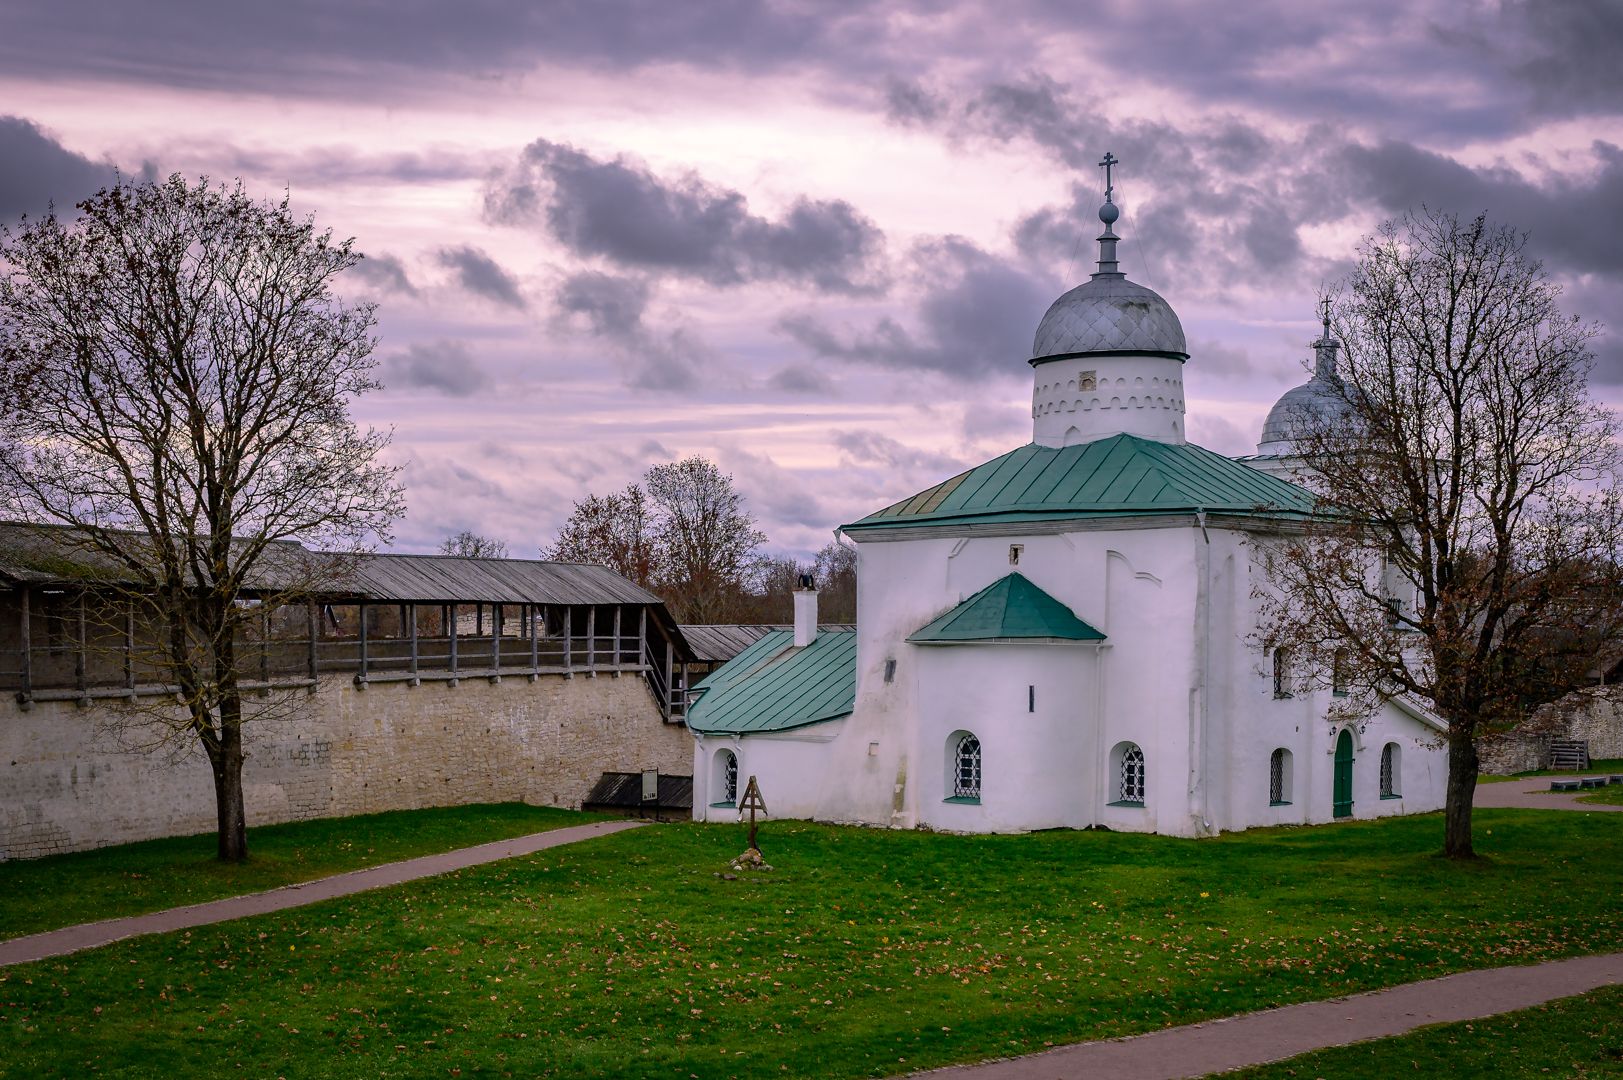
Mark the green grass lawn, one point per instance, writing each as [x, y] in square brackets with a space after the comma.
[1598, 765]
[1574, 1037]
[1611, 795]
[867, 953]
[43, 894]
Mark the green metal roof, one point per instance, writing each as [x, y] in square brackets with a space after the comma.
[1119, 476]
[1009, 609]
[773, 686]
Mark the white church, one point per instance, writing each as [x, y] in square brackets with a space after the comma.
[1058, 638]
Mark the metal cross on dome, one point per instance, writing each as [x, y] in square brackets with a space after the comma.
[1110, 160]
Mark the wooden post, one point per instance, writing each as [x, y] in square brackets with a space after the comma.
[314, 619]
[25, 643]
[670, 680]
[264, 643]
[569, 635]
[79, 647]
[684, 700]
[478, 619]
[619, 653]
[642, 635]
[535, 638]
[411, 610]
[495, 639]
[360, 608]
[451, 622]
[591, 641]
[129, 646]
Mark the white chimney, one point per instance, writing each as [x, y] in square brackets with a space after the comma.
[805, 612]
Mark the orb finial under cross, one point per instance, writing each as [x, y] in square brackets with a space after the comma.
[1108, 213]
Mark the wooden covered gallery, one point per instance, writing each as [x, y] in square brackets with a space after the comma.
[70, 631]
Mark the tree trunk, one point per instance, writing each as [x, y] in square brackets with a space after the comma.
[227, 766]
[1462, 773]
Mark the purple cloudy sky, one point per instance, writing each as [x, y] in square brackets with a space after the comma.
[809, 241]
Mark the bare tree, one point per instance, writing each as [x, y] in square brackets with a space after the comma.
[706, 539]
[181, 374]
[470, 545]
[835, 570]
[683, 532]
[615, 530]
[1470, 526]
[767, 597]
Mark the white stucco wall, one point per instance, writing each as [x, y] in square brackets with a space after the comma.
[1177, 676]
[1138, 395]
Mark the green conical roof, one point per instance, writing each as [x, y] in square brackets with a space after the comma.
[1010, 609]
[1123, 475]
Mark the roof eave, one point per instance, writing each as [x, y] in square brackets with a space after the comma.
[1007, 640]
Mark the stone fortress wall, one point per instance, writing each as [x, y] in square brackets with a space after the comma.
[69, 781]
[1593, 714]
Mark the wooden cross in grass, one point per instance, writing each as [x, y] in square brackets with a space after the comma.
[752, 802]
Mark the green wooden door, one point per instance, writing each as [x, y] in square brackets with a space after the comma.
[1343, 786]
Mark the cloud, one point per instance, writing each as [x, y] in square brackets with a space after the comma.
[974, 317]
[385, 273]
[1573, 221]
[620, 211]
[330, 165]
[314, 47]
[36, 171]
[481, 275]
[1216, 358]
[872, 448]
[800, 379]
[1563, 51]
[778, 496]
[444, 366]
[611, 308]
[994, 420]
[1214, 431]
[907, 102]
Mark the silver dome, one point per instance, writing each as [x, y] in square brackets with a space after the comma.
[1316, 402]
[1109, 314]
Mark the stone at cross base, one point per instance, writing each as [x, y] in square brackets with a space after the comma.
[752, 801]
[751, 860]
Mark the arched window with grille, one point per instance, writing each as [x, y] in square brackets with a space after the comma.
[966, 767]
[1279, 778]
[1128, 760]
[1391, 771]
[725, 782]
[1282, 672]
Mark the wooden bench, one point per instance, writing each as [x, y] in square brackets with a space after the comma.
[1592, 781]
[1564, 785]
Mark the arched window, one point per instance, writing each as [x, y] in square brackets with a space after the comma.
[725, 784]
[966, 767]
[1279, 778]
[1282, 672]
[1129, 761]
[1391, 771]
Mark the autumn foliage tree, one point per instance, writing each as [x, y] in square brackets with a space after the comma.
[1470, 526]
[177, 373]
[614, 530]
[683, 532]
